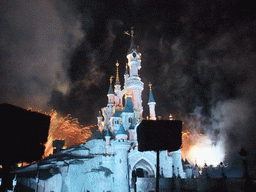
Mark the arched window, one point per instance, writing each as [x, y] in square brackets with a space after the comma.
[117, 122]
[130, 120]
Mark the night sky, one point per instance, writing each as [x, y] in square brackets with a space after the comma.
[199, 56]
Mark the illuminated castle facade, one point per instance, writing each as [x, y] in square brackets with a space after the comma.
[118, 124]
[110, 160]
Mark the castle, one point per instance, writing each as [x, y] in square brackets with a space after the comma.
[110, 160]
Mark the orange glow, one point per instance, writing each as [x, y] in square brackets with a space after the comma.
[64, 128]
[201, 148]
[68, 129]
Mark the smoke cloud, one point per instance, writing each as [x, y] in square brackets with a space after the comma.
[37, 39]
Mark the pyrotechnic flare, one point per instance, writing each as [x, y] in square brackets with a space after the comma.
[68, 129]
[65, 128]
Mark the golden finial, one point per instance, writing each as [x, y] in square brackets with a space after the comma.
[111, 79]
[150, 85]
[132, 32]
[117, 73]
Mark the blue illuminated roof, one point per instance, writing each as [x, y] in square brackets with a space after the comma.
[121, 130]
[117, 113]
[128, 105]
[107, 134]
[151, 98]
[110, 91]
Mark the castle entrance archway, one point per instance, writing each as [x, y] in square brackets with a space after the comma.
[142, 169]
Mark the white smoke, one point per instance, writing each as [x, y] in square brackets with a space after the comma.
[37, 38]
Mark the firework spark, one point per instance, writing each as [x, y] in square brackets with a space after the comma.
[65, 128]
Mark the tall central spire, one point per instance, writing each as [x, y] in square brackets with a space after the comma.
[132, 46]
[117, 74]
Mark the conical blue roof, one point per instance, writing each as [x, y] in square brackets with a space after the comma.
[107, 134]
[151, 98]
[110, 91]
[117, 113]
[128, 105]
[121, 130]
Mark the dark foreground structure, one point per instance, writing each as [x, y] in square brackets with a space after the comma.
[22, 139]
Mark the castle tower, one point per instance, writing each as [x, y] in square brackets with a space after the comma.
[118, 96]
[126, 75]
[128, 113]
[107, 137]
[134, 85]
[121, 147]
[188, 169]
[151, 104]
[117, 84]
[111, 95]
[177, 165]
[108, 111]
[100, 127]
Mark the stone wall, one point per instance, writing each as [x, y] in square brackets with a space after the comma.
[195, 185]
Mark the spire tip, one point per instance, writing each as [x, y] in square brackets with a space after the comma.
[150, 86]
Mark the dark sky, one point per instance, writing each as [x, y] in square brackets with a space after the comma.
[199, 56]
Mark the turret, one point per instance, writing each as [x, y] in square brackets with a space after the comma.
[126, 74]
[100, 126]
[188, 169]
[111, 95]
[134, 58]
[128, 113]
[107, 112]
[178, 169]
[121, 147]
[151, 104]
[121, 134]
[107, 137]
[196, 170]
[133, 85]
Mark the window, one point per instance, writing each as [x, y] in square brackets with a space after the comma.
[117, 122]
[130, 120]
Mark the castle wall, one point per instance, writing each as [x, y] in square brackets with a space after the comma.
[198, 185]
[96, 146]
